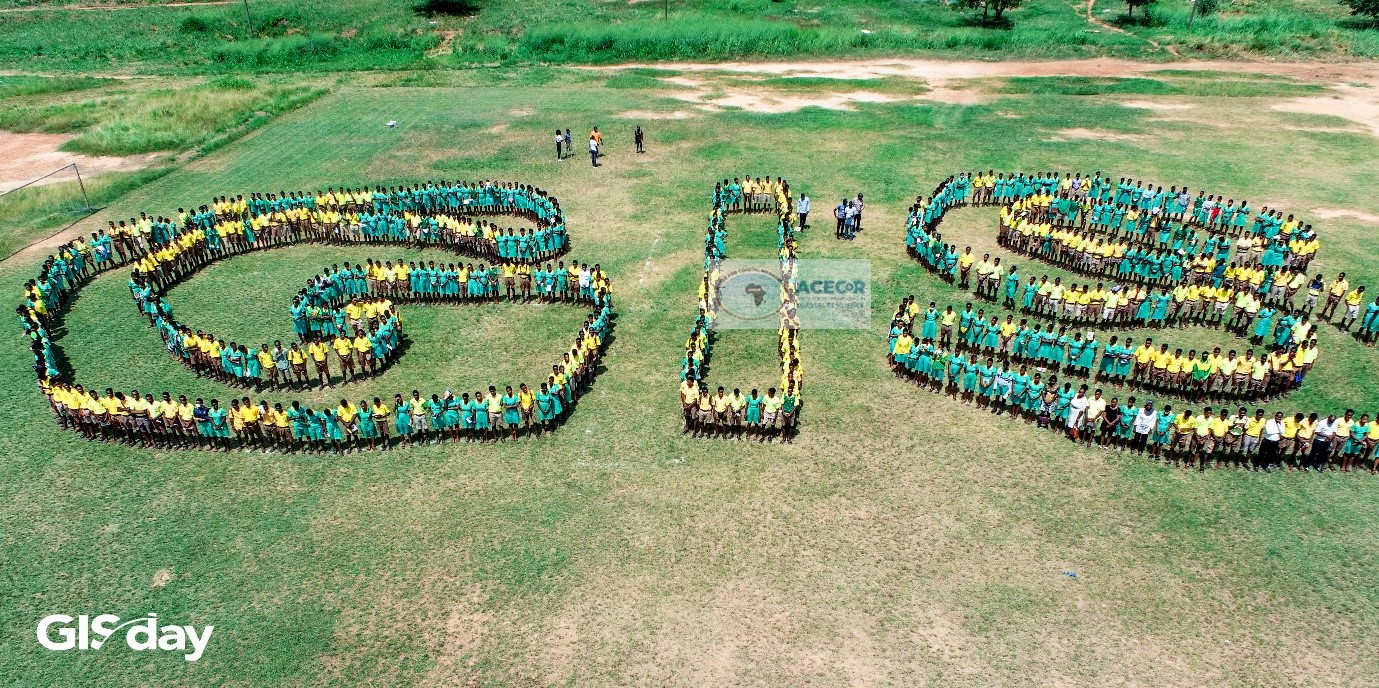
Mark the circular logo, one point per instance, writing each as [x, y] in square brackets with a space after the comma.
[748, 295]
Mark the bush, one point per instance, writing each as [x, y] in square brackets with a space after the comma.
[195, 24]
[451, 8]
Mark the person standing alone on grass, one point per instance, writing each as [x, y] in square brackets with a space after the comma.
[803, 208]
[640, 139]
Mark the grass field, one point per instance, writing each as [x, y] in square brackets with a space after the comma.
[904, 540]
[317, 35]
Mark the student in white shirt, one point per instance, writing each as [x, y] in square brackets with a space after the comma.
[1146, 421]
[1268, 447]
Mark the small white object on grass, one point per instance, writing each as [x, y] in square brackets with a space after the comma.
[866, 32]
[392, 124]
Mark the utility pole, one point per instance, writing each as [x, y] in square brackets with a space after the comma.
[1193, 13]
[667, 14]
[248, 18]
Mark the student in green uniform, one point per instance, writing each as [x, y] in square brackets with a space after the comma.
[512, 415]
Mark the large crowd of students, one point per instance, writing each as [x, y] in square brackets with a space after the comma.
[346, 314]
[738, 414]
[1021, 363]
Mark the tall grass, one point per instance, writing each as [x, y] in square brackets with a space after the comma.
[20, 86]
[706, 38]
[138, 121]
[336, 35]
[1273, 29]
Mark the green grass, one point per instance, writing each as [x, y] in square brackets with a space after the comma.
[17, 86]
[30, 214]
[132, 120]
[321, 35]
[1217, 86]
[905, 540]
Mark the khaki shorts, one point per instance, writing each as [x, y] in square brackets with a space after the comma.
[1183, 440]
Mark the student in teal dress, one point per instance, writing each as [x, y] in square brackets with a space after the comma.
[969, 378]
[991, 338]
[986, 378]
[512, 415]
[436, 409]
[329, 426]
[315, 430]
[1125, 360]
[930, 328]
[219, 425]
[1125, 429]
[1088, 355]
[402, 418]
[1065, 401]
[1283, 331]
[1075, 349]
[1034, 397]
[920, 359]
[1369, 323]
[368, 429]
[482, 427]
[957, 364]
[1106, 367]
[451, 410]
[545, 409]
[467, 422]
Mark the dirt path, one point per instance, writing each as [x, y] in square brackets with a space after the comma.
[111, 8]
[1346, 100]
[1091, 19]
[938, 71]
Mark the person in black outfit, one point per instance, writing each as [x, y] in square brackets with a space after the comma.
[639, 137]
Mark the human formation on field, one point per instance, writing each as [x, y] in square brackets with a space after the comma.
[347, 314]
[1148, 258]
[1175, 260]
[753, 413]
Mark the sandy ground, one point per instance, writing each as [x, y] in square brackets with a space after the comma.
[1354, 86]
[24, 157]
[1354, 95]
[939, 71]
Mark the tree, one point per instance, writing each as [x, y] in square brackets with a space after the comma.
[1132, 4]
[1202, 7]
[1364, 8]
[989, 6]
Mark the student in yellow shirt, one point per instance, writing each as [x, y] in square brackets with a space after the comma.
[381, 415]
[297, 359]
[344, 356]
[363, 352]
[319, 352]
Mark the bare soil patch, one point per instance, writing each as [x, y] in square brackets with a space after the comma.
[24, 157]
[1152, 105]
[939, 70]
[1331, 213]
[1360, 105]
[1082, 134]
[775, 103]
[648, 114]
